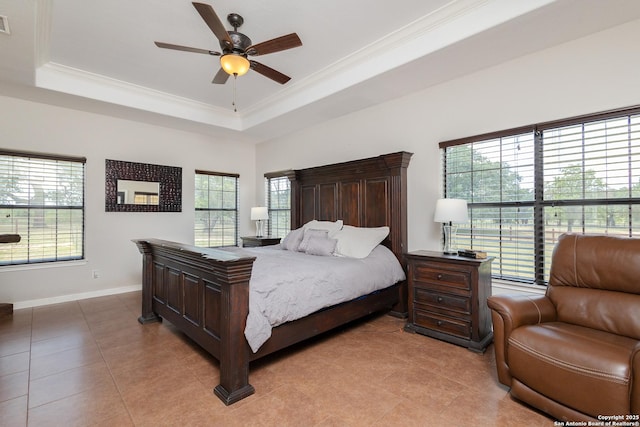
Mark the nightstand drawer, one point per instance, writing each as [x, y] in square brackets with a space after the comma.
[441, 277]
[442, 301]
[443, 324]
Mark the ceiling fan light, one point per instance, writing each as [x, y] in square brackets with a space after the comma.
[234, 64]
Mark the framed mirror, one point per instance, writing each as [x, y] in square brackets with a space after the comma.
[142, 187]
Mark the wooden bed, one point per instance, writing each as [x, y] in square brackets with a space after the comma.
[205, 292]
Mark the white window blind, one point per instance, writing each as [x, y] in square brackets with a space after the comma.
[216, 205]
[41, 200]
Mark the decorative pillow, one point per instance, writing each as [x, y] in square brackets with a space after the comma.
[292, 240]
[330, 226]
[322, 246]
[358, 242]
[308, 234]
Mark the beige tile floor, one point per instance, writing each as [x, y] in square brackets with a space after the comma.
[91, 363]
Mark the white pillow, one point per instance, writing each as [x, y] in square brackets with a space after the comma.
[292, 241]
[358, 242]
[308, 234]
[331, 226]
[322, 246]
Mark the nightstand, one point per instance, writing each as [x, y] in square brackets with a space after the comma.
[448, 298]
[253, 241]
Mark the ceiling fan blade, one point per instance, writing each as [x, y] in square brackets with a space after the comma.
[269, 72]
[211, 19]
[186, 48]
[220, 77]
[275, 45]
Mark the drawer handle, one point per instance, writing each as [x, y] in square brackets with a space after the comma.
[439, 299]
[440, 276]
[439, 323]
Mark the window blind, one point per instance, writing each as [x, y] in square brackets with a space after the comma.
[42, 200]
[279, 205]
[591, 174]
[216, 209]
[526, 186]
[496, 178]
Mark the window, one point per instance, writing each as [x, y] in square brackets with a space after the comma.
[140, 198]
[526, 186]
[279, 204]
[42, 200]
[216, 202]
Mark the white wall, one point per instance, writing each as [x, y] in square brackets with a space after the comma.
[38, 127]
[596, 73]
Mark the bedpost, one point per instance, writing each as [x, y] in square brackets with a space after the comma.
[234, 350]
[397, 163]
[147, 315]
[296, 220]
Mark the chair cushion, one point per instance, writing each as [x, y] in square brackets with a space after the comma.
[585, 369]
[596, 262]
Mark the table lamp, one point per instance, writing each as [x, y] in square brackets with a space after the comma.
[450, 211]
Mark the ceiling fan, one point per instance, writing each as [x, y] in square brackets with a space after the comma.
[236, 47]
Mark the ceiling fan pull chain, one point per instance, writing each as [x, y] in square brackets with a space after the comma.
[235, 78]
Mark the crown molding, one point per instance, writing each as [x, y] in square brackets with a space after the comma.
[73, 81]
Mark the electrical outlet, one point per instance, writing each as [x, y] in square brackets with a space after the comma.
[96, 274]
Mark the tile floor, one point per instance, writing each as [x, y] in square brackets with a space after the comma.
[91, 363]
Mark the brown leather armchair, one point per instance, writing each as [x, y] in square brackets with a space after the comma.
[574, 353]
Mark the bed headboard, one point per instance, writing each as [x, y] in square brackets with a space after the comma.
[364, 193]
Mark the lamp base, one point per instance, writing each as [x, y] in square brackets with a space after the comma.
[450, 239]
[259, 228]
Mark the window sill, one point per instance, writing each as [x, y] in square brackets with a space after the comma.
[499, 286]
[37, 266]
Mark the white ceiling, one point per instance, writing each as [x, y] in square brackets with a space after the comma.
[99, 55]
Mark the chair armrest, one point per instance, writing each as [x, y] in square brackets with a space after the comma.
[518, 310]
[509, 312]
[635, 378]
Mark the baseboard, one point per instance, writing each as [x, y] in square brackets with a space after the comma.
[75, 297]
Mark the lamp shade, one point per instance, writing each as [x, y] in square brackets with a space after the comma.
[234, 64]
[260, 212]
[451, 210]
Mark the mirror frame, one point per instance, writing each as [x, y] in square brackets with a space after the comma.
[169, 177]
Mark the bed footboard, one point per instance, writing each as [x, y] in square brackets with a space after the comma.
[204, 293]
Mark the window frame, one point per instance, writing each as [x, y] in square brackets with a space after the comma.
[541, 247]
[208, 209]
[74, 164]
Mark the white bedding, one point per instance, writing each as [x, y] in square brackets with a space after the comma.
[287, 285]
